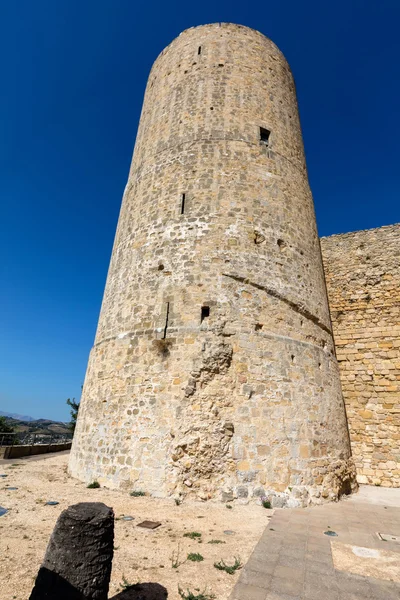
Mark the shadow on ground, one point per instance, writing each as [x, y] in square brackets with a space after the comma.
[52, 586]
[143, 591]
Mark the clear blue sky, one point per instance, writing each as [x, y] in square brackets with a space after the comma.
[73, 76]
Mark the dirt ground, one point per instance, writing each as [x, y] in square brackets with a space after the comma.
[140, 555]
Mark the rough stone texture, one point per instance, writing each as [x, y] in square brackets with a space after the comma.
[363, 279]
[78, 559]
[248, 396]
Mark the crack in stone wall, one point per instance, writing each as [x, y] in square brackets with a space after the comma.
[301, 310]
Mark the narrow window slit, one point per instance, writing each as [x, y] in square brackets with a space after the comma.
[205, 313]
[199, 50]
[183, 198]
[166, 321]
[264, 135]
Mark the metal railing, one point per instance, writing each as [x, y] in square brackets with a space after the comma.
[33, 439]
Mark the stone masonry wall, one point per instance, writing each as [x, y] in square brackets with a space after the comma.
[213, 372]
[363, 279]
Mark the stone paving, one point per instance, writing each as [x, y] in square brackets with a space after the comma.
[294, 561]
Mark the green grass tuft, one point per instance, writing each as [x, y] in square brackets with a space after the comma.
[195, 557]
[93, 485]
[216, 542]
[193, 535]
[137, 493]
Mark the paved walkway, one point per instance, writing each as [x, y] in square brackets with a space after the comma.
[295, 560]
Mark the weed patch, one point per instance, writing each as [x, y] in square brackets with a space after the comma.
[230, 569]
[195, 557]
[175, 561]
[188, 595]
[125, 585]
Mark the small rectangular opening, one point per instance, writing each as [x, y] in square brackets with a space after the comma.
[264, 135]
[199, 50]
[183, 198]
[205, 312]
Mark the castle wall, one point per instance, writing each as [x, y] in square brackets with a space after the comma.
[213, 372]
[363, 279]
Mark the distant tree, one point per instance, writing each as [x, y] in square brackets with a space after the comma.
[5, 426]
[74, 413]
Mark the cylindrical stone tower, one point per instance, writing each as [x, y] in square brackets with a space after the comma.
[213, 372]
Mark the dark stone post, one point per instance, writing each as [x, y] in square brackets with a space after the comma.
[77, 563]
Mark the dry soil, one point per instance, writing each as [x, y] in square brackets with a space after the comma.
[140, 555]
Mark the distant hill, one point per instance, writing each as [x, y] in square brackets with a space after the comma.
[29, 425]
[17, 417]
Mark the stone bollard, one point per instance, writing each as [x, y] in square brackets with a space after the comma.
[78, 559]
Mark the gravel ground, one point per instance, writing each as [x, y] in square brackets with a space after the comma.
[141, 555]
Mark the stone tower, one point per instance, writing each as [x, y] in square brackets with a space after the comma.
[213, 372]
